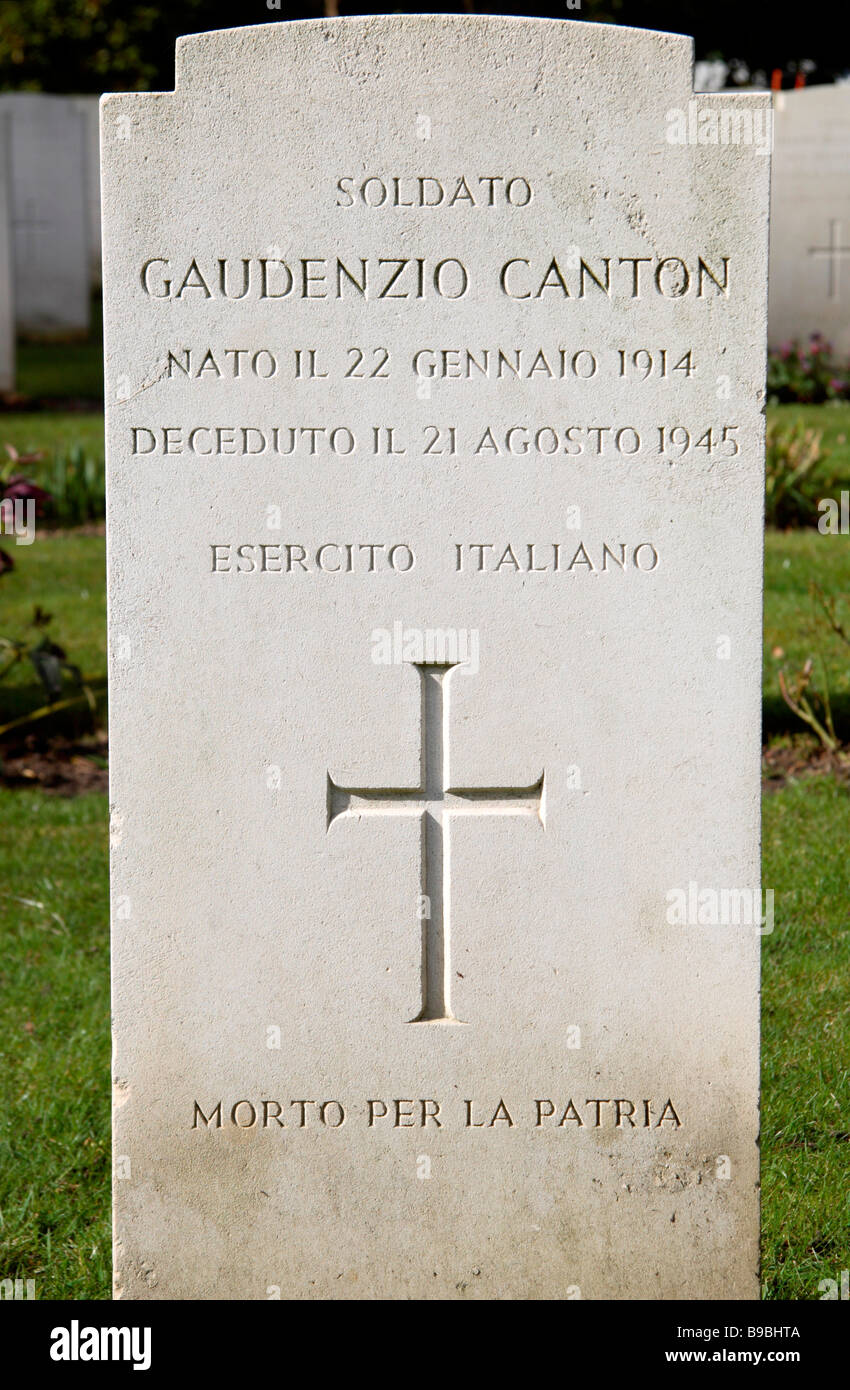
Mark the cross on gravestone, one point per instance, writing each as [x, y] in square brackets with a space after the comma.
[435, 801]
[832, 253]
[25, 226]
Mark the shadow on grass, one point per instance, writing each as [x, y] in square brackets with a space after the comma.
[778, 720]
[19, 702]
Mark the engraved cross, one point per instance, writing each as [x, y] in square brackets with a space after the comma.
[435, 803]
[25, 227]
[832, 253]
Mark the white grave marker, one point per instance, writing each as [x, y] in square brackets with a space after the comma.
[49, 214]
[7, 283]
[434, 381]
[810, 217]
[89, 109]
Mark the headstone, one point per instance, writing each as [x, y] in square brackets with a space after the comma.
[7, 293]
[710, 76]
[435, 375]
[49, 214]
[810, 217]
[89, 109]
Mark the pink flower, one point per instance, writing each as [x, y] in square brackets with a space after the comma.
[21, 489]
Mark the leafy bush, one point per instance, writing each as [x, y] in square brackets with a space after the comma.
[76, 491]
[77, 488]
[801, 694]
[807, 374]
[50, 663]
[16, 487]
[793, 454]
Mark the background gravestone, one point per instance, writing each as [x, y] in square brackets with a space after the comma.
[89, 109]
[810, 217]
[7, 296]
[49, 215]
[434, 386]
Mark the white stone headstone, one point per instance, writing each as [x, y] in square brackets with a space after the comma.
[810, 217]
[7, 290]
[434, 378]
[50, 215]
[89, 108]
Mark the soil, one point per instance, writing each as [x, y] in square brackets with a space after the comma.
[63, 767]
[800, 760]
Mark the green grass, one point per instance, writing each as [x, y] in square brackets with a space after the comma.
[64, 369]
[794, 624]
[65, 574]
[64, 372]
[50, 433]
[54, 1044]
[833, 421]
[806, 1041]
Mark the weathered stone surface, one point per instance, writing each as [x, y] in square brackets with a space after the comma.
[810, 217]
[416, 989]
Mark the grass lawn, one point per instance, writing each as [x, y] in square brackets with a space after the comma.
[65, 575]
[54, 1007]
[833, 423]
[63, 372]
[64, 369]
[794, 626]
[806, 1040]
[54, 1044]
[51, 433]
